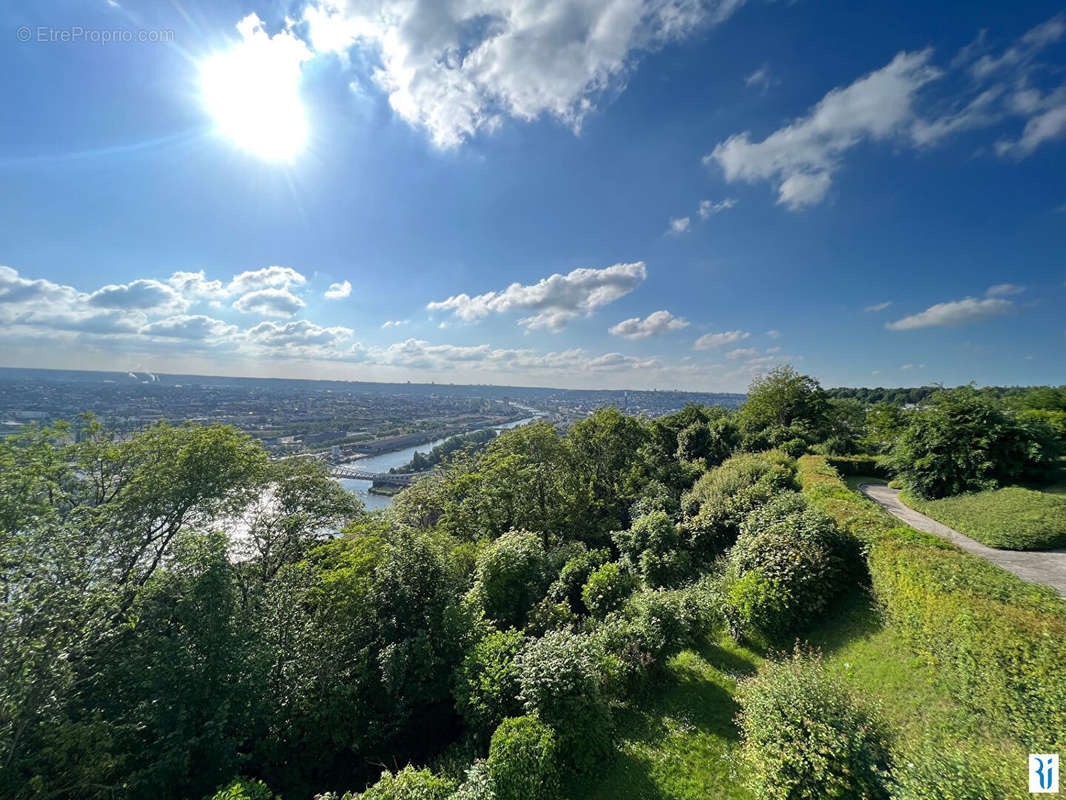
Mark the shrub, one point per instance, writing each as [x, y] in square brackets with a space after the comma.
[548, 616]
[523, 760]
[477, 785]
[655, 496]
[560, 680]
[511, 577]
[486, 683]
[607, 589]
[804, 736]
[573, 577]
[723, 497]
[787, 564]
[409, 784]
[653, 544]
[997, 641]
[794, 448]
[653, 626]
[858, 465]
[245, 789]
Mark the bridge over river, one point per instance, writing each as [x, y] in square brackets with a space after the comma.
[379, 478]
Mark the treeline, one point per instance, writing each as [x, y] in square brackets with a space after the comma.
[173, 619]
[897, 396]
[467, 443]
[1022, 396]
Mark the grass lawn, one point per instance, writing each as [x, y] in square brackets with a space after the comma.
[679, 740]
[1011, 519]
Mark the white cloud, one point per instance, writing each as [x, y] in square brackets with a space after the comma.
[708, 209]
[760, 78]
[742, 352]
[297, 332]
[908, 367]
[420, 354]
[774, 334]
[272, 277]
[1048, 122]
[957, 312]
[48, 307]
[457, 69]
[678, 226]
[337, 291]
[1004, 290]
[395, 323]
[196, 326]
[194, 285]
[554, 301]
[656, 323]
[878, 306]
[141, 294]
[712, 340]
[977, 113]
[802, 156]
[304, 340]
[612, 361]
[14, 289]
[1024, 51]
[269, 303]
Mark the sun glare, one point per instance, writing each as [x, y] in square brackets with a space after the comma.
[253, 92]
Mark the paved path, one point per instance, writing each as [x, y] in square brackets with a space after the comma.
[1036, 566]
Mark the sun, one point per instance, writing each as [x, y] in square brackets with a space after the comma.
[253, 92]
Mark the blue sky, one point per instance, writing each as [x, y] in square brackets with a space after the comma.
[624, 193]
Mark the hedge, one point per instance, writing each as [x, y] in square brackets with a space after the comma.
[859, 465]
[999, 642]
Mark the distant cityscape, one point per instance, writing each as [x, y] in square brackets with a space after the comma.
[339, 418]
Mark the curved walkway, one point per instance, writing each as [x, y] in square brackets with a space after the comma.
[1036, 566]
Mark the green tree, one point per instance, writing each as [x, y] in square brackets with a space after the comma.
[561, 683]
[512, 576]
[486, 683]
[518, 482]
[884, 423]
[100, 530]
[965, 441]
[607, 473]
[787, 402]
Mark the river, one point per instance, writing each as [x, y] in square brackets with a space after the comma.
[397, 458]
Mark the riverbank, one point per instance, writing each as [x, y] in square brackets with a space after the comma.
[383, 462]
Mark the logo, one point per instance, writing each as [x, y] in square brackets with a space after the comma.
[1044, 773]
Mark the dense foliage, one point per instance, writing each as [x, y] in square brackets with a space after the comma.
[524, 760]
[181, 617]
[807, 738]
[788, 563]
[964, 441]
